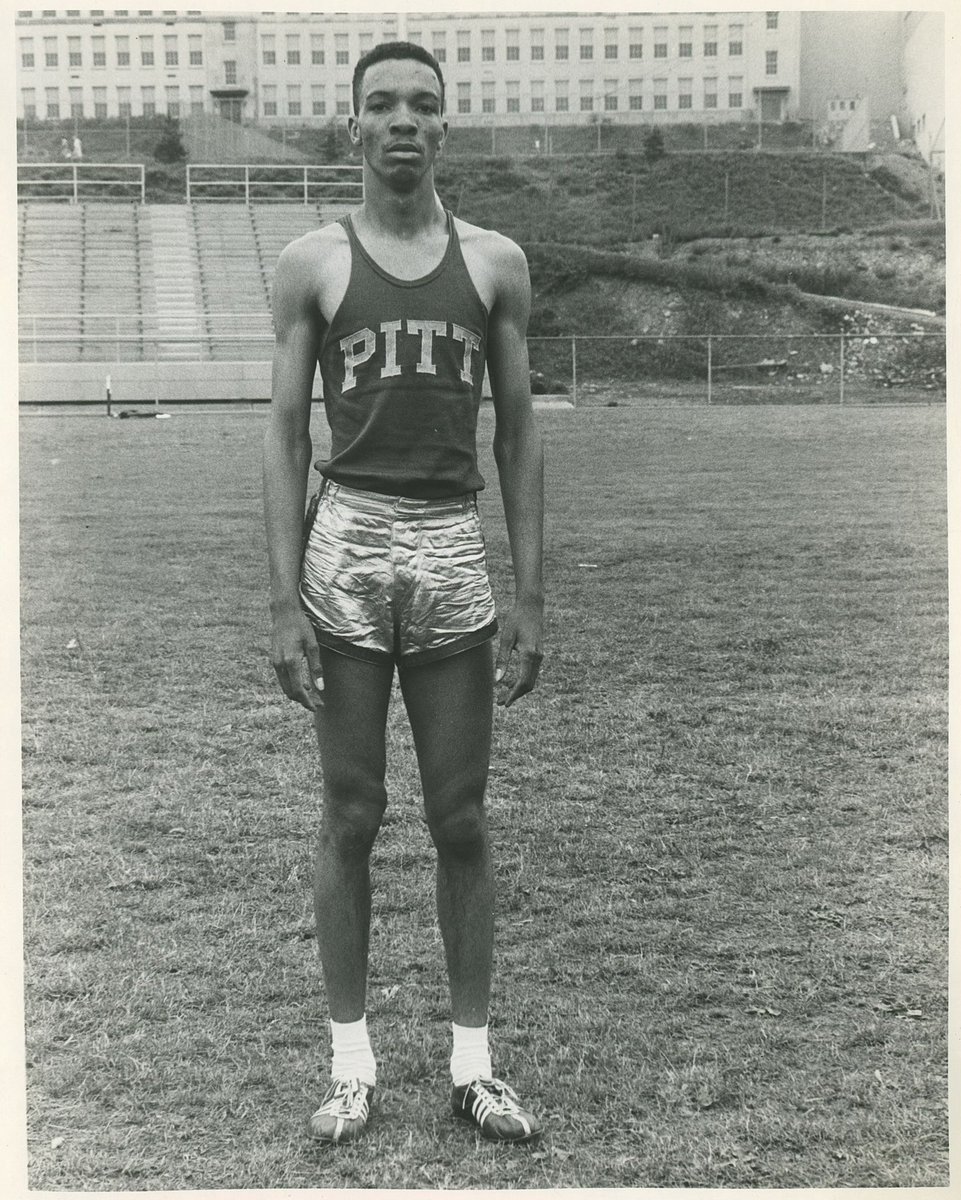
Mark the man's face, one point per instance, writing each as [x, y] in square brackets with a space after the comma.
[400, 125]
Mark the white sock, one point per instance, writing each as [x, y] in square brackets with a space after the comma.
[352, 1056]
[471, 1056]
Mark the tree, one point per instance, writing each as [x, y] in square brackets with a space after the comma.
[170, 148]
[653, 145]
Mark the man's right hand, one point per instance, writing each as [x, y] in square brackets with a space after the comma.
[292, 644]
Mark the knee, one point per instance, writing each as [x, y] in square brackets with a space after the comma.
[459, 833]
[353, 811]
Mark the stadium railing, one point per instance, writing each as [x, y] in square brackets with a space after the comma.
[73, 182]
[310, 184]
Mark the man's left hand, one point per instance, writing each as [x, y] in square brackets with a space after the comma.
[521, 633]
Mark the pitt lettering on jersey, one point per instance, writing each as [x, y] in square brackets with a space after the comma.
[360, 347]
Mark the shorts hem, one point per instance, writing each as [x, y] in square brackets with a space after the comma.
[465, 641]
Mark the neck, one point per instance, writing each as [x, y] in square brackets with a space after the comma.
[403, 214]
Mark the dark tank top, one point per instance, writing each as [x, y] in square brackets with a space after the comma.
[403, 365]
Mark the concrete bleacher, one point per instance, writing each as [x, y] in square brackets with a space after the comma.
[187, 283]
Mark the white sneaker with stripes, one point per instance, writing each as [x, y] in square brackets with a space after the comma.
[343, 1113]
[494, 1108]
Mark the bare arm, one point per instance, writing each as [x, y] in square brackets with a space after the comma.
[520, 465]
[287, 453]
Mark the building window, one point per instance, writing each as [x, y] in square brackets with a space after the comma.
[342, 99]
[76, 102]
[341, 50]
[29, 104]
[537, 45]
[463, 94]
[587, 44]
[318, 102]
[513, 45]
[366, 41]
[710, 93]
[230, 72]
[487, 96]
[561, 99]
[98, 47]
[27, 59]
[537, 95]
[123, 102]
[196, 100]
[293, 100]
[735, 40]
[269, 99]
[268, 50]
[123, 51]
[50, 56]
[440, 47]
[463, 49]
[74, 57]
[100, 102]
[230, 31]
[610, 95]
[734, 93]
[146, 50]
[561, 48]
[660, 93]
[771, 18]
[293, 50]
[635, 43]
[685, 89]
[413, 35]
[195, 43]
[770, 62]
[513, 96]
[317, 50]
[171, 54]
[487, 45]
[173, 101]
[587, 95]
[685, 42]
[53, 104]
[710, 41]
[635, 95]
[660, 41]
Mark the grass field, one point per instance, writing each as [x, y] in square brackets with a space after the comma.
[720, 822]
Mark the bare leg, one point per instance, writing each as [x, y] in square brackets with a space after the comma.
[351, 733]
[449, 704]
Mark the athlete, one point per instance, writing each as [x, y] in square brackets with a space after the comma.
[404, 306]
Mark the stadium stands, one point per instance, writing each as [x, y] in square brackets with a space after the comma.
[183, 282]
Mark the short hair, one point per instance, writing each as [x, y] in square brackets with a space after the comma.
[388, 50]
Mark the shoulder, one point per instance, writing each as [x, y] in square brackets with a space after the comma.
[313, 251]
[497, 264]
[313, 268]
[498, 250]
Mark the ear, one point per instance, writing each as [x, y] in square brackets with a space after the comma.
[353, 131]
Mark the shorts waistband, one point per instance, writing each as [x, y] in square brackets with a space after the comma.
[376, 503]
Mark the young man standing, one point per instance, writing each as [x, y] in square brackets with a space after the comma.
[402, 305]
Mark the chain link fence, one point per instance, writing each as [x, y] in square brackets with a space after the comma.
[841, 368]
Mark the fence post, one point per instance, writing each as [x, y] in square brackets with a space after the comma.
[35, 358]
[247, 179]
[709, 366]
[75, 190]
[188, 182]
[117, 329]
[574, 371]
[841, 371]
[143, 184]
[305, 187]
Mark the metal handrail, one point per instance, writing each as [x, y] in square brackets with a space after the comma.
[297, 175]
[70, 176]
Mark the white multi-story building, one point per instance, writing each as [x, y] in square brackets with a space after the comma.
[504, 67]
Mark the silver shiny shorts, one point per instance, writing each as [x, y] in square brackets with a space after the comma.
[386, 577]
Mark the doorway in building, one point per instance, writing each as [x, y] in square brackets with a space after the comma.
[231, 108]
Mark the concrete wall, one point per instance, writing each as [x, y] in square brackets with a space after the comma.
[924, 101]
[138, 383]
[850, 54]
